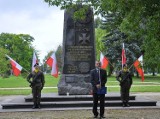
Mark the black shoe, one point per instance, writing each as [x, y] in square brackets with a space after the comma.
[102, 117]
[127, 105]
[39, 107]
[124, 104]
[34, 107]
[95, 116]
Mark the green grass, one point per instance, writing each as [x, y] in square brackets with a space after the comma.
[138, 85]
[15, 82]
[15, 92]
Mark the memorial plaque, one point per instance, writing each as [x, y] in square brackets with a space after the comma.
[78, 51]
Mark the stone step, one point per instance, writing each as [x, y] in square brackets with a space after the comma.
[74, 98]
[73, 104]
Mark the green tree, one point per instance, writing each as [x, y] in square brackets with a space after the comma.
[137, 19]
[100, 47]
[59, 57]
[19, 46]
[4, 64]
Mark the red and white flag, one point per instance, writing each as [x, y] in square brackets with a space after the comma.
[16, 68]
[138, 64]
[34, 61]
[104, 61]
[123, 56]
[52, 62]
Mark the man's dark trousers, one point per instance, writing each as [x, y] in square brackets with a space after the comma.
[97, 97]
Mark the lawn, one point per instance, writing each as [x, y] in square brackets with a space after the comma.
[14, 82]
[151, 84]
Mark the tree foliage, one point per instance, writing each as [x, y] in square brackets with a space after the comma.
[137, 19]
[59, 57]
[100, 47]
[4, 64]
[19, 48]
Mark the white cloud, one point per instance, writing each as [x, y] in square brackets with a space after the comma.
[44, 24]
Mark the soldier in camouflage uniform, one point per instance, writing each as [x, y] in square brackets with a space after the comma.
[125, 79]
[37, 84]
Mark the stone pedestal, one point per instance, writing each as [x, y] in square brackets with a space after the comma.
[74, 84]
[78, 54]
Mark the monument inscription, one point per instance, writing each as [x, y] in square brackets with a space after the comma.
[77, 56]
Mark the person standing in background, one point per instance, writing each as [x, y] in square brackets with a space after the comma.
[125, 79]
[37, 84]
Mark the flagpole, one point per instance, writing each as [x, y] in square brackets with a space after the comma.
[130, 66]
[122, 55]
[111, 64]
[26, 70]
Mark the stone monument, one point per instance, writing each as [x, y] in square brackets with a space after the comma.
[78, 54]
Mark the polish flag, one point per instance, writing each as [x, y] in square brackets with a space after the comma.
[34, 61]
[16, 68]
[52, 62]
[138, 64]
[123, 56]
[104, 61]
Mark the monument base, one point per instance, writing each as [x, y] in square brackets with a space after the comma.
[72, 84]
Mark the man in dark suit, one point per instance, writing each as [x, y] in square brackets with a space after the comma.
[98, 80]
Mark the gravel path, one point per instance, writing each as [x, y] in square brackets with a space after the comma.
[85, 114]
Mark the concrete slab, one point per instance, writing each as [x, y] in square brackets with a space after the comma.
[20, 99]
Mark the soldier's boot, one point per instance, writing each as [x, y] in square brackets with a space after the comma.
[123, 104]
[34, 106]
[38, 105]
[127, 104]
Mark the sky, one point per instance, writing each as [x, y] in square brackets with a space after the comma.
[36, 18]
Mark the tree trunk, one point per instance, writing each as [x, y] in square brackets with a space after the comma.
[137, 75]
[110, 70]
[153, 73]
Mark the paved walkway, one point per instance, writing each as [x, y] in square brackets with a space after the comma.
[137, 84]
[139, 96]
[26, 88]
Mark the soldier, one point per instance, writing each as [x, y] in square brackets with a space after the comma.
[125, 84]
[37, 84]
[98, 80]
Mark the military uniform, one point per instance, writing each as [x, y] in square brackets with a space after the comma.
[37, 85]
[125, 84]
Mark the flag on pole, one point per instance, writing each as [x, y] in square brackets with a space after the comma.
[34, 61]
[123, 56]
[104, 61]
[138, 64]
[52, 62]
[16, 68]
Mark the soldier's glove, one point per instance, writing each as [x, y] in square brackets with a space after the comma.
[31, 84]
[121, 83]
